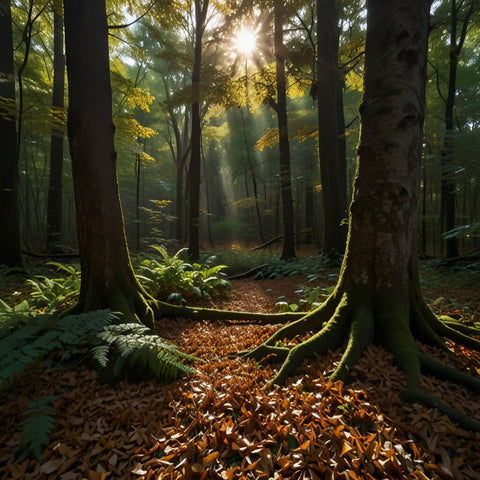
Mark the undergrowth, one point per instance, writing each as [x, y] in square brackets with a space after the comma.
[166, 276]
[119, 350]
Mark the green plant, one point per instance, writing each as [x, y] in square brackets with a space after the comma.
[51, 293]
[131, 347]
[311, 298]
[173, 274]
[37, 425]
[311, 267]
[28, 341]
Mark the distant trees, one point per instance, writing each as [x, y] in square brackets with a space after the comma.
[332, 164]
[152, 64]
[54, 197]
[280, 107]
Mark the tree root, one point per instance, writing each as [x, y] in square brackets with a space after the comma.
[168, 310]
[356, 320]
[412, 395]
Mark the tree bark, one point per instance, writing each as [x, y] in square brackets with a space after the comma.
[54, 198]
[332, 165]
[378, 294]
[288, 250]
[10, 249]
[201, 8]
[107, 278]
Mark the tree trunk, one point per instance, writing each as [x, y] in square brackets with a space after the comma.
[288, 250]
[378, 294]
[449, 187]
[201, 8]
[54, 198]
[10, 250]
[108, 280]
[332, 172]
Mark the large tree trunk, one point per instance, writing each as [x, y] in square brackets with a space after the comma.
[54, 198]
[288, 250]
[332, 172]
[378, 294]
[108, 280]
[10, 250]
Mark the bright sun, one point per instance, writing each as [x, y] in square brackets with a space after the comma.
[245, 41]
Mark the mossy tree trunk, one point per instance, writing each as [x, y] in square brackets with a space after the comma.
[108, 280]
[378, 294]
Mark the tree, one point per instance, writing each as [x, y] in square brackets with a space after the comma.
[54, 199]
[108, 280]
[448, 192]
[201, 9]
[10, 249]
[378, 293]
[332, 166]
[280, 106]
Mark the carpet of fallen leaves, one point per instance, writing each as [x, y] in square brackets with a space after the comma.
[228, 422]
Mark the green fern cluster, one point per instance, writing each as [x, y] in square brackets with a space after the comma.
[132, 349]
[49, 294]
[32, 338]
[119, 349]
[166, 275]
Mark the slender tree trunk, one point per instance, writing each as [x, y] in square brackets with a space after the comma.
[332, 165]
[201, 8]
[10, 249]
[288, 250]
[54, 198]
[254, 178]
[108, 280]
[449, 187]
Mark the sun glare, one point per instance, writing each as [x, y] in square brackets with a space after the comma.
[245, 41]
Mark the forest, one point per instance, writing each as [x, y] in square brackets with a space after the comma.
[239, 239]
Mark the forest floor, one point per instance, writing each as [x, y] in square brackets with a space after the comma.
[228, 422]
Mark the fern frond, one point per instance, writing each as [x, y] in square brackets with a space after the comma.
[135, 348]
[44, 334]
[37, 426]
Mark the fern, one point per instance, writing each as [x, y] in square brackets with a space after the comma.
[44, 334]
[37, 425]
[131, 347]
[52, 293]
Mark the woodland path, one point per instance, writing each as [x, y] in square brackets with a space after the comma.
[227, 422]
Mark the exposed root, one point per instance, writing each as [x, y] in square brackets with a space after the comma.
[330, 337]
[361, 334]
[356, 319]
[446, 372]
[459, 327]
[168, 310]
[412, 395]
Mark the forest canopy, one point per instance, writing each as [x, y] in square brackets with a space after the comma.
[151, 60]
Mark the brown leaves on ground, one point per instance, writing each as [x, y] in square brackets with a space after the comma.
[228, 422]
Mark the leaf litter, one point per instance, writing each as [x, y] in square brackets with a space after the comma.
[228, 422]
